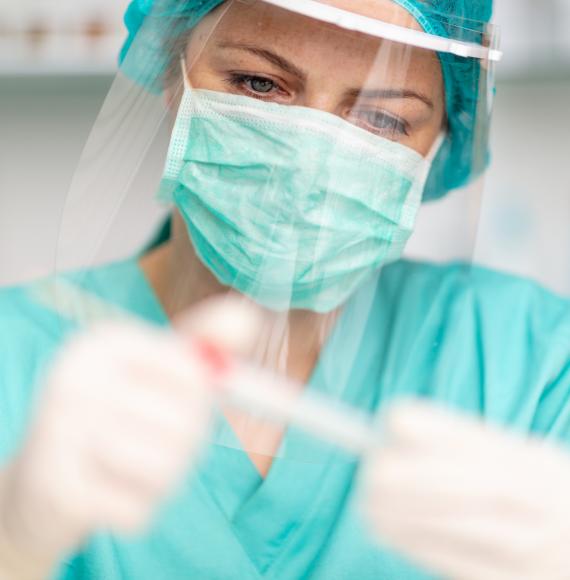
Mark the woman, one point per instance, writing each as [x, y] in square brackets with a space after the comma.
[305, 138]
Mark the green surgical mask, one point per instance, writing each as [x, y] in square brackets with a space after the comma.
[292, 206]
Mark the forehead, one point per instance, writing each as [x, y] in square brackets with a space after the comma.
[386, 10]
[319, 44]
[258, 13]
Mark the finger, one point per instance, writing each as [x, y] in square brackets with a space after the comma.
[425, 425]
[165, 414]
[155, 359]
[121, 509]
[422, 482]
[141, 464]
[480, 543]
[447, 561]
[104, 375]
[233, 323]
[478, 528]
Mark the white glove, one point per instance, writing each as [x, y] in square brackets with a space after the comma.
[469, 501]
[121, 420]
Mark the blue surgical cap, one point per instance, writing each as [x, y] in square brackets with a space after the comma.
[458, 161]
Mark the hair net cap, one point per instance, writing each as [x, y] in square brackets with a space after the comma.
[454, 166]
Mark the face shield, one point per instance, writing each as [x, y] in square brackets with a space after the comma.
[289, 147]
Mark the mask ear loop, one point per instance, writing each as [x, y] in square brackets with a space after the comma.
[437, 144]
[185, 80]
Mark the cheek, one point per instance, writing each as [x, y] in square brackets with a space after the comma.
[201, 73]
[203, 76]
[198, 72]
[425, 140]
[427, 73]
[426, 136]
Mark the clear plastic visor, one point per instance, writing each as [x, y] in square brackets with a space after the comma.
[290, 151]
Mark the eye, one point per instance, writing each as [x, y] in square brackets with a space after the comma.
[260, 85]
[380, 122]
[254, 85]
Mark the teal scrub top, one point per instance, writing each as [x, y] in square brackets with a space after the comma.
[470, 338]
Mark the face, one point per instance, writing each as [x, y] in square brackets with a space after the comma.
[267, 53]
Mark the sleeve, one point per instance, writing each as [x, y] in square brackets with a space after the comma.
[65, 571]
[524, 331]
[28, 341]
[553, 414]
[548, 349]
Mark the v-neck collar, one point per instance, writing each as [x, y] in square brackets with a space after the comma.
[270, 517]
[275, 519]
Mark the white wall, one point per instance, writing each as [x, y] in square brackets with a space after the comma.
[44, 123]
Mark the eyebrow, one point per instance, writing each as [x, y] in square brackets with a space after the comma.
[290, 68]
[391, 94]
[269, 56]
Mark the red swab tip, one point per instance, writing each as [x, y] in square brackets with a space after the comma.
[215, 357]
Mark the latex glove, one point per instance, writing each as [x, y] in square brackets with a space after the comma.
[121, 420]
[469, 501]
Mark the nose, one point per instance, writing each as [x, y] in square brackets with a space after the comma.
[322, 100]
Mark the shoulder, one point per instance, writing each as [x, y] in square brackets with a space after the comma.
[23, 316]
[36, 319]
[29, 335]
[492, 343]
[495, 297]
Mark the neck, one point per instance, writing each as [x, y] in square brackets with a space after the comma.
[290, 343]
[178, 288]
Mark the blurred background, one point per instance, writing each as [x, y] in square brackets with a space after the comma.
[57, 62]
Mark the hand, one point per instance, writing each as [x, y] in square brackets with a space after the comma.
[122, 418]
[469, 501]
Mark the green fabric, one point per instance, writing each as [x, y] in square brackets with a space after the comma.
[337, 201]
[479, 341]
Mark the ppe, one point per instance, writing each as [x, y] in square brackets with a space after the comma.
[455, 166]
[293, 207]
[468, 500]
[296, 162]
